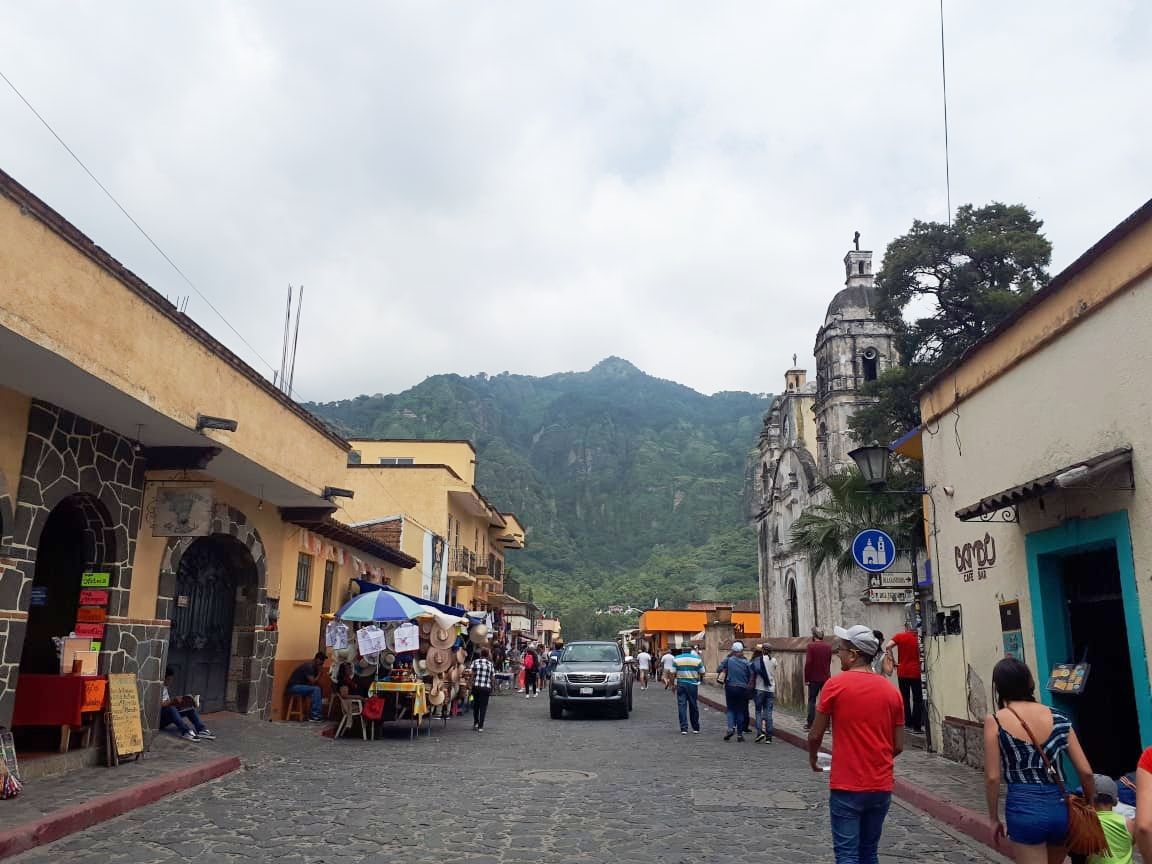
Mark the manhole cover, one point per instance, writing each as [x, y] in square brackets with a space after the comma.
[558, 776]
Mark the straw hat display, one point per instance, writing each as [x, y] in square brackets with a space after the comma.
[454, 674]
[441, 636]
[478, 634]
[425, 628]
[439, 660]
[436, 694]
[461, 656]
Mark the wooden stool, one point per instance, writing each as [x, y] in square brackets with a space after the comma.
[299, 708]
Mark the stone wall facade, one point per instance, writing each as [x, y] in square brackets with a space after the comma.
[139, 647]
[66, 456]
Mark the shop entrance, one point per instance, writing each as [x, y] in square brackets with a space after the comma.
[1105, 712]
[215, 574]
[1085, 608]
[74, 539]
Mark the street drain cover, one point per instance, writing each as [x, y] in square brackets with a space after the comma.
[558, 776]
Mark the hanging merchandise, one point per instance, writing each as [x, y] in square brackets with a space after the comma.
[336, 635]
[371, 640]
[406, 638]
[441, 636]
[439, 659]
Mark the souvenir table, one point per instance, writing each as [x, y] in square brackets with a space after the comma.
[407, 693]
[59, 700]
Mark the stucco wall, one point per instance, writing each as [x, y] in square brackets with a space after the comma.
[421, 493]
[459, 456]
[1079, 396]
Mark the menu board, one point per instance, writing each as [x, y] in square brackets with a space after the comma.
[1069, 678]
[124, 712]
[95, 580]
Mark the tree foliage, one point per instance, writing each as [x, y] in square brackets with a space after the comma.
[967, 277]
[825, 531]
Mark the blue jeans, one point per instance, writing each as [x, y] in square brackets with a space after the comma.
[736, 703]
[857, 820]
[687, 706]
[765, 701]
[1036, 813]
[309, 690]
[185, 720]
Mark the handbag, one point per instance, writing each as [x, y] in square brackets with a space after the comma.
[1085, 833]
[887, 666]
[10, 785]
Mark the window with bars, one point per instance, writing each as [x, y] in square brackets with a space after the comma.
[304, 577]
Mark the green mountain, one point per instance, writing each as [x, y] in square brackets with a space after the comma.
[630, 486]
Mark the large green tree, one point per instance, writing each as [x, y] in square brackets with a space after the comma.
[943, 287]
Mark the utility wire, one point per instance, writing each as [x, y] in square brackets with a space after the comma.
[944, 81]
[138, 226]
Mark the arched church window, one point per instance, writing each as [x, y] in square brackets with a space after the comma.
[860, 267]
[793, 610]
[870, 364]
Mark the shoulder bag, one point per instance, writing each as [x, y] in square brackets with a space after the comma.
[1085, 833]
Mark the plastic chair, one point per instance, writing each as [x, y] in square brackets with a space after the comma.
[353, 708]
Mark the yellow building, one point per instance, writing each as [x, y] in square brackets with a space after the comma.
[137, 449]
[1036, 461]
[422, 495]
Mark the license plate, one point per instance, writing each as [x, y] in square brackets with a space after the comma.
[585, 691]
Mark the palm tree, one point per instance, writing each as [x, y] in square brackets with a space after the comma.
[825, 531]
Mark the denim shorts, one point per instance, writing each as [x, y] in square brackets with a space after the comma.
[1036, 813]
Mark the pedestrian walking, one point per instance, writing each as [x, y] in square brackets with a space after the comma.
[817, 670]
[907, 645]
[1118, 829]
[483, 678]
[1144, 804]
[736, 674]
[689, 672]
[668, 666]
[1035, 810]
[868, 717]
[531, 670]
[764, 676]
[644, 662]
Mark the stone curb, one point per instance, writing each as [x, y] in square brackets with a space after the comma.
[959, 818]
[69, 820]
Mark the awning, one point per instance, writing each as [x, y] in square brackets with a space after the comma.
[1072, 476]
[365, 585]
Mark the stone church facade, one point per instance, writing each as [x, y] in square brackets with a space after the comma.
[806, 437]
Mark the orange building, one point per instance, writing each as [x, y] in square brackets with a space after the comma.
[671, 628]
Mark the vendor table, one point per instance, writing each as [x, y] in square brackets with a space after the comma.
[58, 700]
[413, 688]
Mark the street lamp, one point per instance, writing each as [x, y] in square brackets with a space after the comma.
[873, 464]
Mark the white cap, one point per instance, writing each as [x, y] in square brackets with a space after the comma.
[860, 636]
[737, 646]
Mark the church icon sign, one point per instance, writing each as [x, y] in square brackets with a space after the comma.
[873, 550]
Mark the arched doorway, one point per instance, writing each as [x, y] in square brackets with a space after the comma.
[216, 588]
[793, 610]
[76, 537]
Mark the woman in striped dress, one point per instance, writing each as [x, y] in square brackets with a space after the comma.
[1035, 812]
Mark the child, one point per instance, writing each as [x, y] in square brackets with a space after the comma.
[1117, 828]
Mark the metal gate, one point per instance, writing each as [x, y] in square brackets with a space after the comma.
[205, 603]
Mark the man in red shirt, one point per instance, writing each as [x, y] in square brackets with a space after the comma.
[907, 645]
[868, 722]
[817, 670]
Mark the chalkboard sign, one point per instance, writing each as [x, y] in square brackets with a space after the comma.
[124, 715]
[8, 752]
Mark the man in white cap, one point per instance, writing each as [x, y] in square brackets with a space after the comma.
[867, 714]
[737, 678]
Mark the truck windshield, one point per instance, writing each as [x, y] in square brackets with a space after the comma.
[590, 654]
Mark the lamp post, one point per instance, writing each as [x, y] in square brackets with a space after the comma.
[873, 462]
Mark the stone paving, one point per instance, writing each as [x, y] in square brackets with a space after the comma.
[527, 789]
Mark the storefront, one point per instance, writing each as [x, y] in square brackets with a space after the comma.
[1036, 457]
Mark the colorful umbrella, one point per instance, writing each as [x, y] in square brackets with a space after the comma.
[380, 606]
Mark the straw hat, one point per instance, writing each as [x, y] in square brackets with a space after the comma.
[436, 694]
[425, 627]
[478, 634]
[442, 637]
[454, 674]
[439, 659]
[461, 656]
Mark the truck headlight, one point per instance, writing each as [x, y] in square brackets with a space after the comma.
[615, 677]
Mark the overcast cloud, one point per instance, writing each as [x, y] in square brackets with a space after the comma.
[532, 186]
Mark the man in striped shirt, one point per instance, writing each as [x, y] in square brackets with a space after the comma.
[689, 674]
[483, 674]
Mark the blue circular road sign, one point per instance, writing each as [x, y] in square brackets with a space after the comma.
[873, 550]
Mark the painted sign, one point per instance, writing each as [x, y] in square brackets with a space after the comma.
[95, 580]
[39, 596]
[1070, 678]
[890, 580]
[91, 615]
[891, 595]
[90, 597]
[90, 631]
[124, 710]
[183, 511]
[975, 559]
[873, 550]
[1010, 629]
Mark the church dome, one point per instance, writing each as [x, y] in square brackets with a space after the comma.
[852, 302]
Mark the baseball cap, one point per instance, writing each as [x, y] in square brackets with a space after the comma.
[737, 646]
[1106, 788]
[860, 636]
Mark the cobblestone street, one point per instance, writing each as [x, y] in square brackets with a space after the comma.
[528, 789]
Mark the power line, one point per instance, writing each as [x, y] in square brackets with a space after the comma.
[944, 81]
[137, 225]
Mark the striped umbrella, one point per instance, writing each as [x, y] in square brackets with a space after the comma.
[380, 606]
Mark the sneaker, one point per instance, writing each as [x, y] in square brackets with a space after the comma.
[729, 734]
[315, 719]
[682, 732]
[475, 728]
[740, 739]
[479, 728]
[768, 739]
[695, 731]
[206, 734]
[760, 737]
[527, 695]
[189, 736]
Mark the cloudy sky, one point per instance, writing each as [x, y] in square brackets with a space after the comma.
[532, 186]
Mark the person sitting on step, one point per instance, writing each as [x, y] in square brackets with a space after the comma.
[181, 713]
